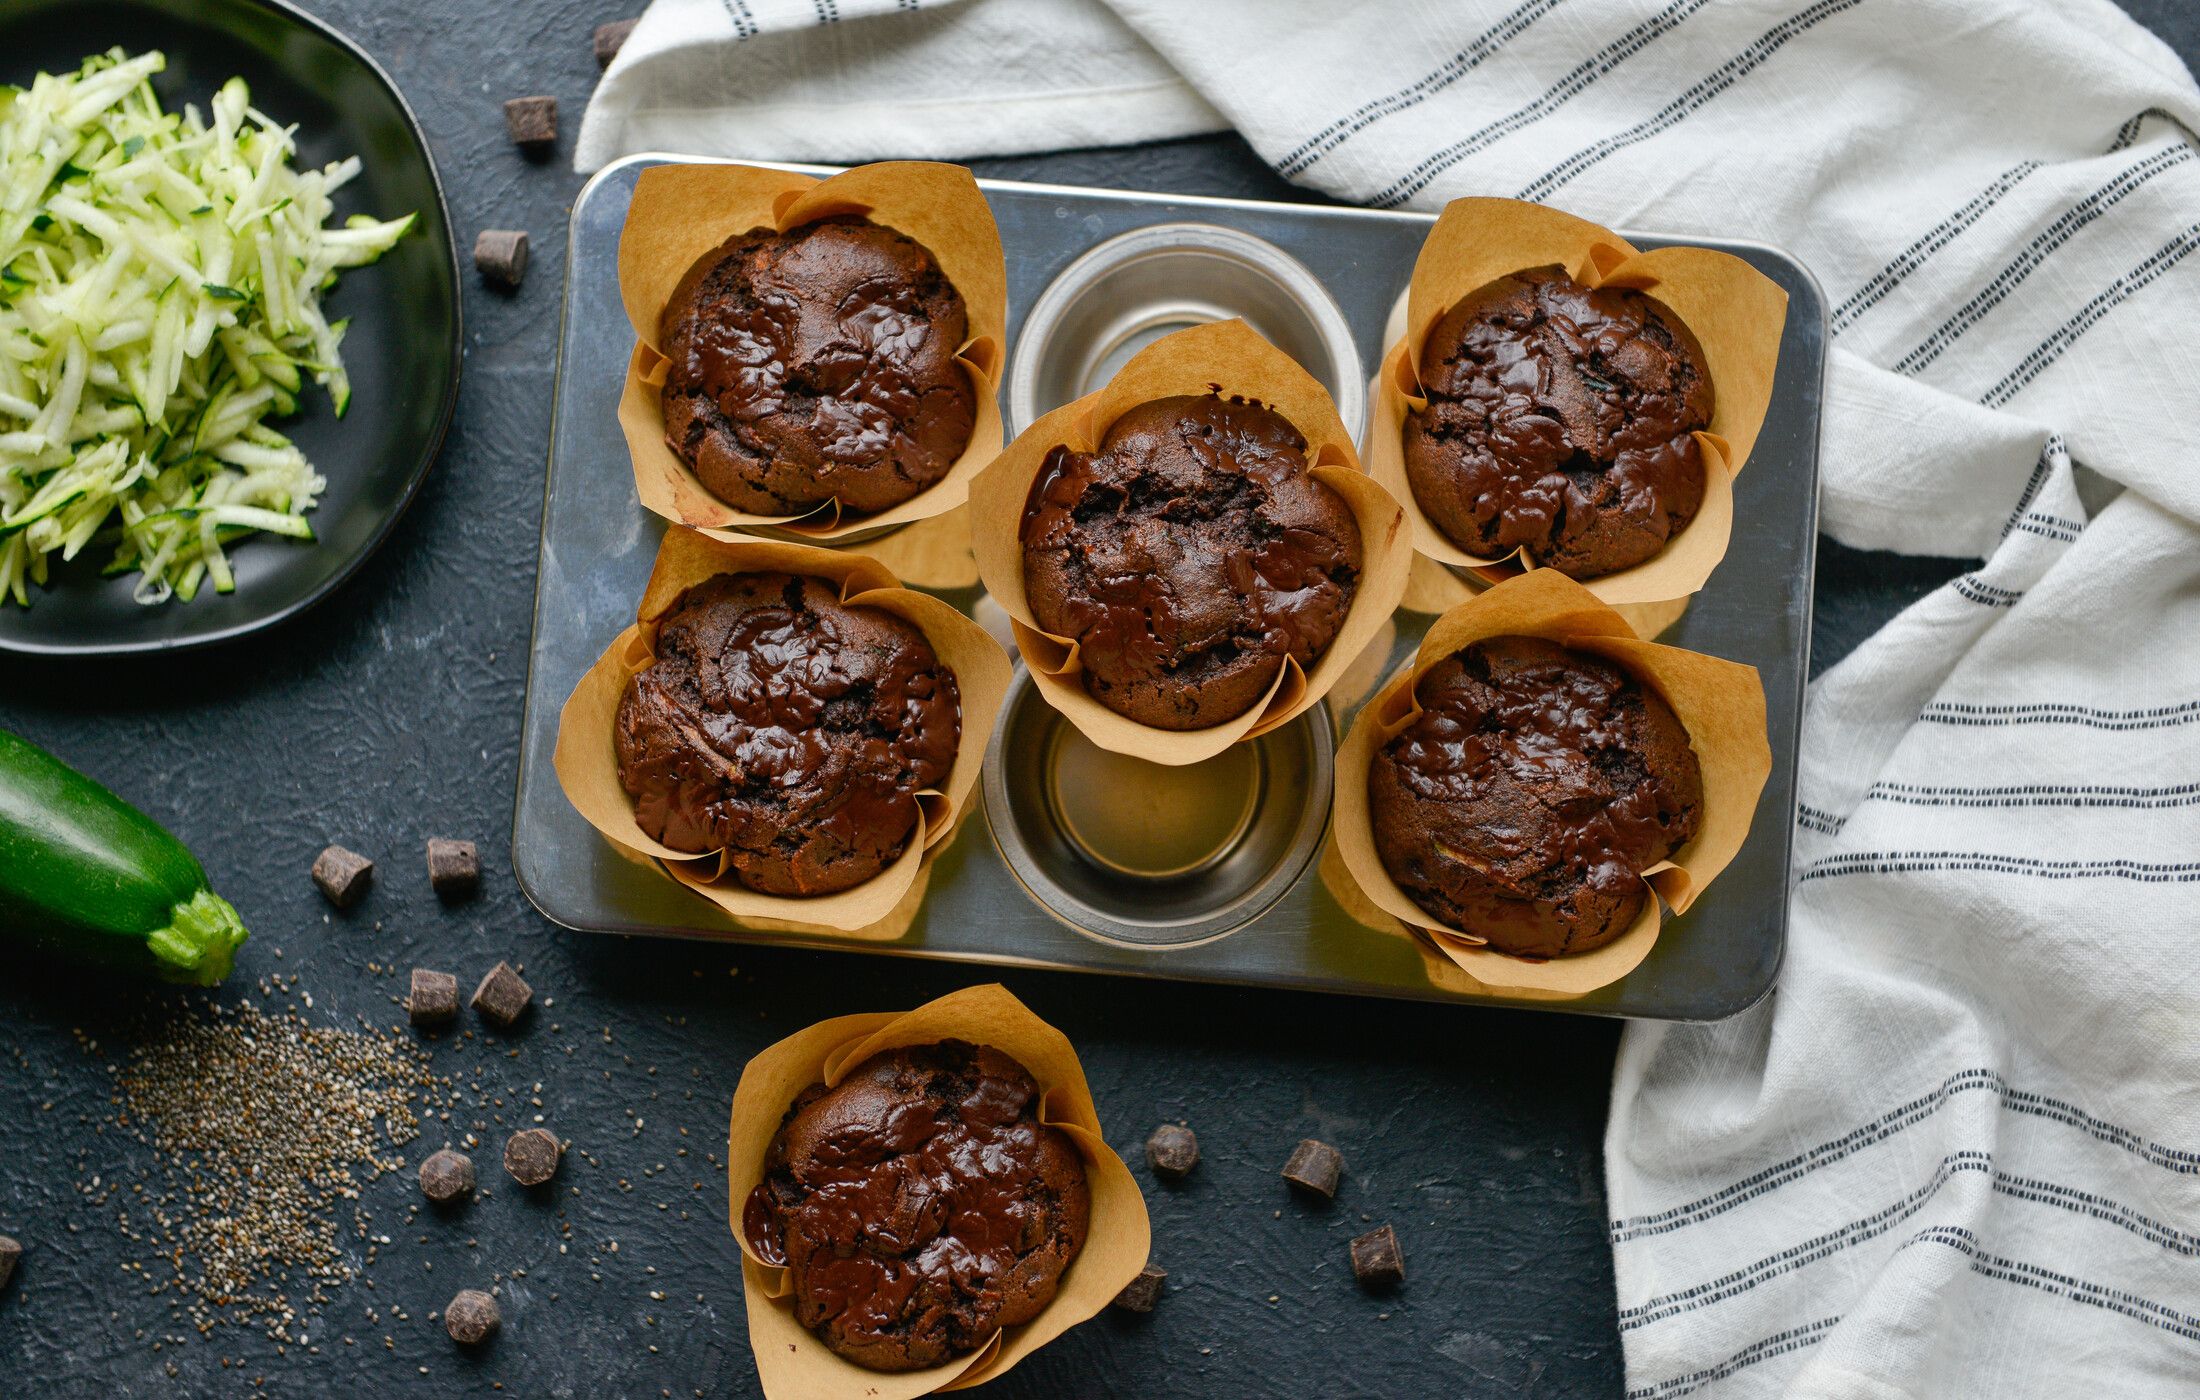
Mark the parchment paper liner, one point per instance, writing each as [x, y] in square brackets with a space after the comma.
[1229, 357]
[1720, 704]
[681, 212]
[588, 769]
[793, 1364]
[1433, 588]
[1735, 311]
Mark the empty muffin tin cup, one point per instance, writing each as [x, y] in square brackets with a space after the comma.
[1120, 296]
[1144, 855]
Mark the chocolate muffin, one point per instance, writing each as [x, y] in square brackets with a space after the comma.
[788, 730]
[919, 1205]
[813, 364]
[1188, 557]
[1526, 801]
[1559, 421]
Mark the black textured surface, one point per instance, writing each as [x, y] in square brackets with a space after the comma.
[390, 713]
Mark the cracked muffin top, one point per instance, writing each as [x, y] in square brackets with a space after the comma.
[1188, 557]
[919, 1205]
[788, 730]
[813, 364]
[1535, 788]
[1559, 421]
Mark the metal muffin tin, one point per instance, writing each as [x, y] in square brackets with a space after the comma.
[1128, 292]
[1086, 861]
[1144, 856]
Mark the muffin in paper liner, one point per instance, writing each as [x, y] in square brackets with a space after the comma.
[588, 767]
[680, 213]
[1720, 703]
[1229, 358]
[1735, 312]
[793, 1364]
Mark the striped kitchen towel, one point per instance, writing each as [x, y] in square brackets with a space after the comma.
[1958, 1151]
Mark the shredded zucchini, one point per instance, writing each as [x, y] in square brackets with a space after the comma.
[160, 285]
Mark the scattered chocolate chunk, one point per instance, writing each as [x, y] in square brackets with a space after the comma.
[610, 38]
[446, 1176]
[454, 868]
[472, 1317]
[342, 875]
[531, 1156]
[1314, 1167]
[1376, 1261]
[500, 254]
[1173, 1150]
[502, 996]
[10, 1250]
[433, 1000]
[1141, 1293]
[532, 121]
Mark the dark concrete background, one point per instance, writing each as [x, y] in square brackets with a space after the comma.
[390, 714]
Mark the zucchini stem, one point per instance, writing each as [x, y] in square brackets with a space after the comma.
[201, 942]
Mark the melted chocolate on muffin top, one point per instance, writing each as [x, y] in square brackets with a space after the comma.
[1535, 788]
[919, 1205]
[816, 363]
[1188, 557]
[788, 730]
[1560, 420]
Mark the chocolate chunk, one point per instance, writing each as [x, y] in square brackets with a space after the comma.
[1173, 1150]
[502, 996]
[1376, 1261]
[532, 121]
[342, 875]
[500, 254]
[472, 1317]
[433, 1000]
[610, 38]
[11, 1250]
[454, 868]
[446, 1176]
[1314, 1167]
[1141, 1293]
[531, 1156]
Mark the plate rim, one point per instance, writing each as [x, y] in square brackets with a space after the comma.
[287, 11]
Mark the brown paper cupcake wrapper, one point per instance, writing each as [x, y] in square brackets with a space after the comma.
[1735, 312]
[588, 767]
[681, 212]
[932, 553]
[792, 1363]
[1228, 357]
[1434, 588]
[1720, 704]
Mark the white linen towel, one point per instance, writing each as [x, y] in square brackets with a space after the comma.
[1958, 1151]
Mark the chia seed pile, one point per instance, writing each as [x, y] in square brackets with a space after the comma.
[265, 1128]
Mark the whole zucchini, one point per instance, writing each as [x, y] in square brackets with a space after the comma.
[86, 876]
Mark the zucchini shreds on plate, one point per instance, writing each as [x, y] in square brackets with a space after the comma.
[161, 276]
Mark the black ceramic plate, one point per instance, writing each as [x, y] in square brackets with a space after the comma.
[402, 348]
